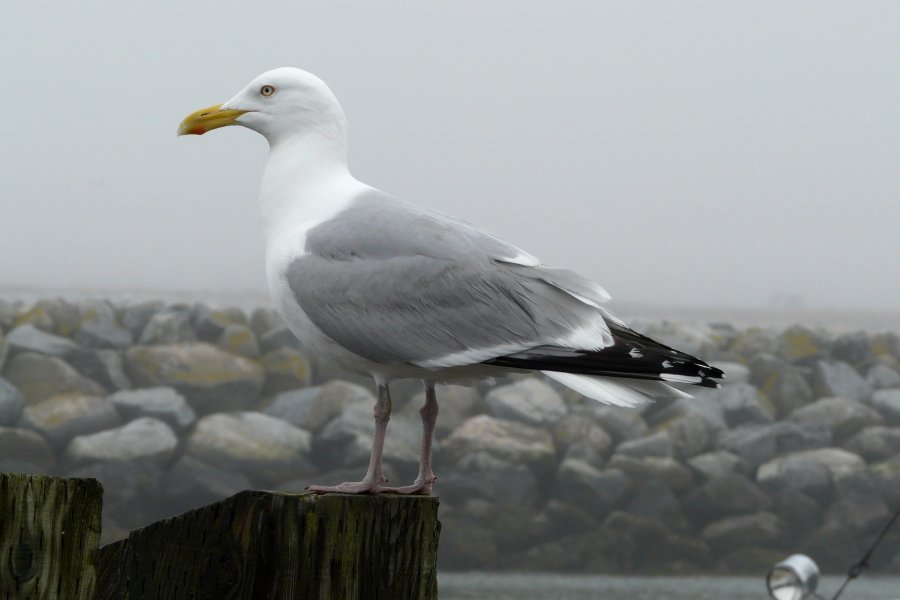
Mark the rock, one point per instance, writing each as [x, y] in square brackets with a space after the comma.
[881, 376]
[456, 403]
[757, 444]
[466, 546]
[261, 447]
[732, 533]
[863, 515]
[163, 403]
[706, 403]
[210, 379]
[749, 561]
[311, 410]
[655, 501]
[64, 416]
[833, 545]
[96, 310]
[529, 400]
[507, 440]
[694, 338]
[136, 316]
[887, 402]
[286, 369]
[37, 316]
[102, 366]
[97, 335]
[690, 435]
[800, 343]
[278, 337]
[655, 444]
[25, 446]
[11, 403]
[346, 441]
[191, 483]
[597, 491]
[788, 390]
[168, 327]
[725, 496]
[875, 443]
[142, 439]
[810, 472]
[837, 378]
[481, 475]
[716, 464]
[4, 349]
[577, 437]
[564, 518]
[209, 325]
[853, 348]
[734, 372]
[131, 490]
[238, 339]
[28, 338]
[842, 416]
[752, 342]
[265, 319]
[619, 423]
[8, 312]
[65, 315]
[39, 377]
[675, 475]
[798, 511]
[742, 404]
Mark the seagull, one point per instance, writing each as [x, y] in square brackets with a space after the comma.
[396, 291]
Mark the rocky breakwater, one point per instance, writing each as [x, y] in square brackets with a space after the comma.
[175, 406]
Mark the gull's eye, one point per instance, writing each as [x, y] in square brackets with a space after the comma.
[267, 90]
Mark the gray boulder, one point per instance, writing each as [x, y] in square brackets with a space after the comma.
[506, 440]
[810, 472]
[597, 491]
[66, 315]
[842, 416]
[261, 447]
[757, 444]
[136, 316]
[655, 444]
[854, 348]
[210, 324]
[285, 369]
[142, 439]
[163, 403]
[577, 437]
[4, 349]
[674, 474]
[788, 390]
[887, 402]
[724, 496]
[106, 367]
[798, 511]
[734, 372]
[312, 408]
[191, 482]
[11, 403]
[837, 378]
[210, 379]
[347, 440]
[265, 319]
[719, 463]
[618, 423]
[742, 404]
[26, 447]
[881, 376]
[483, 475]
[529, 400]
[39, 377]
[731, 533]
[875, 443]
[28, 338]
[278, 337]
[705, 403]
[238, 339]
[655, 501]
[799, 343]
[864, 515]
[62, 417]
[691, 435]
[100, 334]
[168, 327]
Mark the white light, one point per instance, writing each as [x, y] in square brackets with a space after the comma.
[794, 578]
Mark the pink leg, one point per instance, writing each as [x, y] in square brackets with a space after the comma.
[426, 478]
[371, 483]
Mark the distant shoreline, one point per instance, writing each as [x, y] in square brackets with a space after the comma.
[766, 317]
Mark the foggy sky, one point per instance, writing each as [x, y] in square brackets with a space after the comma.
[689, 153]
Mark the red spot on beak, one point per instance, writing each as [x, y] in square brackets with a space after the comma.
[198, 131]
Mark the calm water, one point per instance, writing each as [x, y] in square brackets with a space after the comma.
[487, 586]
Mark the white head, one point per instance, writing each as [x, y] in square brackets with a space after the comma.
[281, 104]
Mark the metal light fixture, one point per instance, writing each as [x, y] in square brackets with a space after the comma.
[794, 578]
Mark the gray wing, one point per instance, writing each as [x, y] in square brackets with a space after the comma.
[395, 283]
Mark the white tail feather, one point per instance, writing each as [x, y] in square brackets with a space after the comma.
[618, 391]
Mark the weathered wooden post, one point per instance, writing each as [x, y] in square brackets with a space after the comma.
[281, 546]
[49, 534]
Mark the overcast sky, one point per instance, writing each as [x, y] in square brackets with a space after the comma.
[679, 153]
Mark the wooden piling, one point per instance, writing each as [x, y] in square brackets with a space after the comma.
[281, 546]
[49, 534]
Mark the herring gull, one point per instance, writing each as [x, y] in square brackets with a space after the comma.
[394, 290]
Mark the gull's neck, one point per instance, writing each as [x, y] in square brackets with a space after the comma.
[306, 181]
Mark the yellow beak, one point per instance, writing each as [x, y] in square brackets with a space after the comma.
[207, 119]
